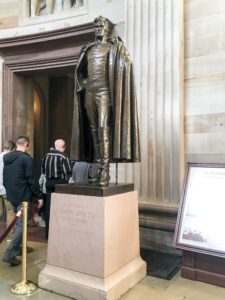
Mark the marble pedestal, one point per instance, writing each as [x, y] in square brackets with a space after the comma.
[93, 248]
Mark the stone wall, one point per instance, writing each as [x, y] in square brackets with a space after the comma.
[9, 14]
[204, 80]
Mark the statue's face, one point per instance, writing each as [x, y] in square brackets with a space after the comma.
[101, 28]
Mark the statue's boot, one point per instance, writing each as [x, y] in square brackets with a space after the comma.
[95, 139]
[96, 149]
[104, 156]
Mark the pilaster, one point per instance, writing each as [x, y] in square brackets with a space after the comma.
[154, 37]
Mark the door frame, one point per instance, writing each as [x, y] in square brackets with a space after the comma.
[32, 55]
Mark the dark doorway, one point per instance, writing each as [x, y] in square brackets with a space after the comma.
[42, 110]
[61, 91]
[52, 101]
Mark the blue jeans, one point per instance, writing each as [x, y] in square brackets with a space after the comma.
[15, 244]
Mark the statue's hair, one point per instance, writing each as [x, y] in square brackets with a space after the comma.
[100, 18]
[104, 20]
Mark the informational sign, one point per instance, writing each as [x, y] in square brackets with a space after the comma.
[201, 219]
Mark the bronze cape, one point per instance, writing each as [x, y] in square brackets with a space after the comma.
[125, 146]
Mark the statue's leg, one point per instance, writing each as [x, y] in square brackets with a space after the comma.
[92, 114]
[104, 133]
[104, 138]
[96, 147]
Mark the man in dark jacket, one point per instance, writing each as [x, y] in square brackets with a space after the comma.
[19, 185]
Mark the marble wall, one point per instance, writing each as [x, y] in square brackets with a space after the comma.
[204, 80]
[9, 13]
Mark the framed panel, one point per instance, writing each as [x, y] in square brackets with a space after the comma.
[201, 218]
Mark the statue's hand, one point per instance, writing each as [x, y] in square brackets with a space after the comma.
[84, 82]
[81, 83]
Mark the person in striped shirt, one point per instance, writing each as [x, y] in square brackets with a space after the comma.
[56, 169]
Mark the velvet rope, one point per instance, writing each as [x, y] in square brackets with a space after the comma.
[11, 225]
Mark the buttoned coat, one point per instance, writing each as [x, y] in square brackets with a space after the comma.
[124, 133]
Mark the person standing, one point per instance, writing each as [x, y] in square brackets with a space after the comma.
[57, 170]
[19, 184]
[6, 205]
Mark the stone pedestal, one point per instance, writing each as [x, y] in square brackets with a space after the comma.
[93, 249]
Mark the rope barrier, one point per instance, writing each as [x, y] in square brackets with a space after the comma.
[11, 225]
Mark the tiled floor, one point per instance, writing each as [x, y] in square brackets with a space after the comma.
[149, 288]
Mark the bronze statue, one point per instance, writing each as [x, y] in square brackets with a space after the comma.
[105, 123]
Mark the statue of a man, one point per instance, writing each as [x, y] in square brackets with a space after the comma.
[105, 123]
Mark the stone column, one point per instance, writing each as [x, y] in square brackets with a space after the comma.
[154, 36]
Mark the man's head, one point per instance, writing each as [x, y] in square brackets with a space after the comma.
[101, 26]
[9, 146]
[22, 143]
[60, 145]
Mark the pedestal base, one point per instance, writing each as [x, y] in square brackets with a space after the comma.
[93, 247]
[85, 287]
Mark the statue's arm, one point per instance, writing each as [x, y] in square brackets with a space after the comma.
[80, 74]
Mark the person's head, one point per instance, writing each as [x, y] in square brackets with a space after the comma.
[60, 145]
[101, 26]
[22, 143]
[9, 146]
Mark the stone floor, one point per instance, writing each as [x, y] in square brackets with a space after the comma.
[149, 288]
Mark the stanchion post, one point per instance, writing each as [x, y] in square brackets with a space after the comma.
[24, 243]
[24, 287]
